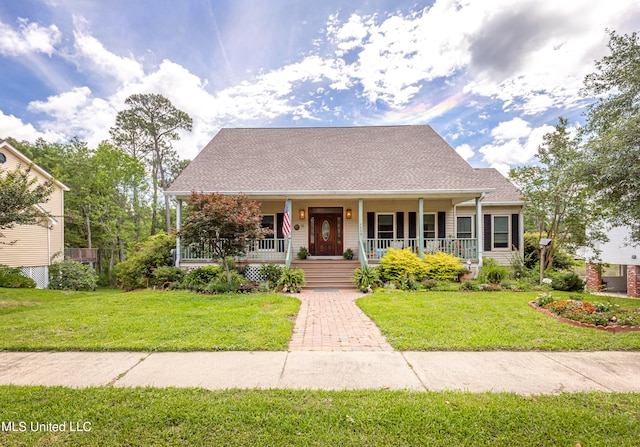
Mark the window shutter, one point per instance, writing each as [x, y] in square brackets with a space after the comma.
[412, 225]
[515, 231]
[487, 232]
[400, 225]
[279, 222]
[371, 225]
[442, 224]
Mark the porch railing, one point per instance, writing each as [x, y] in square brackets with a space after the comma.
[465, 249]
[269, 250]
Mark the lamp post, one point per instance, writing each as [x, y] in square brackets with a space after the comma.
[544, 243]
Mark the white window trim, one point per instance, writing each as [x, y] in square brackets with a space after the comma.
[275, 224]
[493, 233]
[473, 218]
[395, 226]
[435, 225]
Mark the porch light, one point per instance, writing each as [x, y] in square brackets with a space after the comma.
[349, 213]
[301, 214]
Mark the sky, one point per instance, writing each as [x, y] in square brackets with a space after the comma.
[490, 76]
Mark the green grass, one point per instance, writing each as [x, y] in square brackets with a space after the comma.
[168, 417]
[428, 321]
[110, 320]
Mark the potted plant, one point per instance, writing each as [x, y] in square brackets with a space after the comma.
[348, 254]
[303, 253]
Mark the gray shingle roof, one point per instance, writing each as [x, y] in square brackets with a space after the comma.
[317, 159]
[505, 192]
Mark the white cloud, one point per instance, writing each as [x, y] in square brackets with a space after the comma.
[465, 151]
[30, 38]
[91, 54]
[516, 143]
[11, 126]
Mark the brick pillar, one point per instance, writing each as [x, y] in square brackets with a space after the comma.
[633, 281]
[594, 276]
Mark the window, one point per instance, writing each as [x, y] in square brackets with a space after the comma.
[464, 228]
[501, 231]
[267, 243]
[429, 226]
[385, 226]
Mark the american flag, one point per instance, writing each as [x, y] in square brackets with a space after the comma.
[286, 222]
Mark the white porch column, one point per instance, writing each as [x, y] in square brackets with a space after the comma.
[479, 230]
[420, 227]
[178, 228]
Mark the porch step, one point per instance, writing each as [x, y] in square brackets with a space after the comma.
[324, 274]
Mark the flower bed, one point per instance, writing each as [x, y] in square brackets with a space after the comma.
[605, 316]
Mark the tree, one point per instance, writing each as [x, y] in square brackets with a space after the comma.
[148, 127]
[228, 224]
[18, 194]
[612, 131]
[557, 201]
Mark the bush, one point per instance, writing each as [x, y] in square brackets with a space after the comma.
[12, 277]
[468, 285]
[493, 272]
[72, 275]
[167, 275]
[366, 278]
[561, 260]
[396, 263]
[429, 283]
[567, 282]
[408, 282]
[199, 278]
[136, 272]
[292, 279]
[443, 267]
[271, 273]
[543, 299]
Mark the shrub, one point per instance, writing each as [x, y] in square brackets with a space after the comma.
[166, 275]
[493, 272]
[12, 277]
[366, 278]
[468, 285]
[271, 273]
[198, 278]
[443, 267]
[72, 275]
[429, 283]
[567, 282]
[543, 299]
[292, 279]
[408, 282]
[396, 263]
[137, 270]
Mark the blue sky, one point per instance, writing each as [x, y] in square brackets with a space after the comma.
[491, 76]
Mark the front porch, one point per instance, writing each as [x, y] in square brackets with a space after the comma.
[369, 227]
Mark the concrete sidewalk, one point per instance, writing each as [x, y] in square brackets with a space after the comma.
[519, 372]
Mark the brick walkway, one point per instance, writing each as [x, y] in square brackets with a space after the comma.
[331, 321]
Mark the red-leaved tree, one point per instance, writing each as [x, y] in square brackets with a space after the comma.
[229, 224]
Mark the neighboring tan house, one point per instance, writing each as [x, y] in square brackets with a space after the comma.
[617, 251]
[364, 188]
[37, 245]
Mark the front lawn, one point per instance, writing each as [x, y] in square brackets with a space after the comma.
[178, 417]
[111, 320]
[479, 321]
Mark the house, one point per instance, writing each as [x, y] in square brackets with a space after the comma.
[36, 246]
[364, 188]
[617, 251]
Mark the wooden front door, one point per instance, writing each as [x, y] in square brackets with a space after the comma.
[325, 236]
